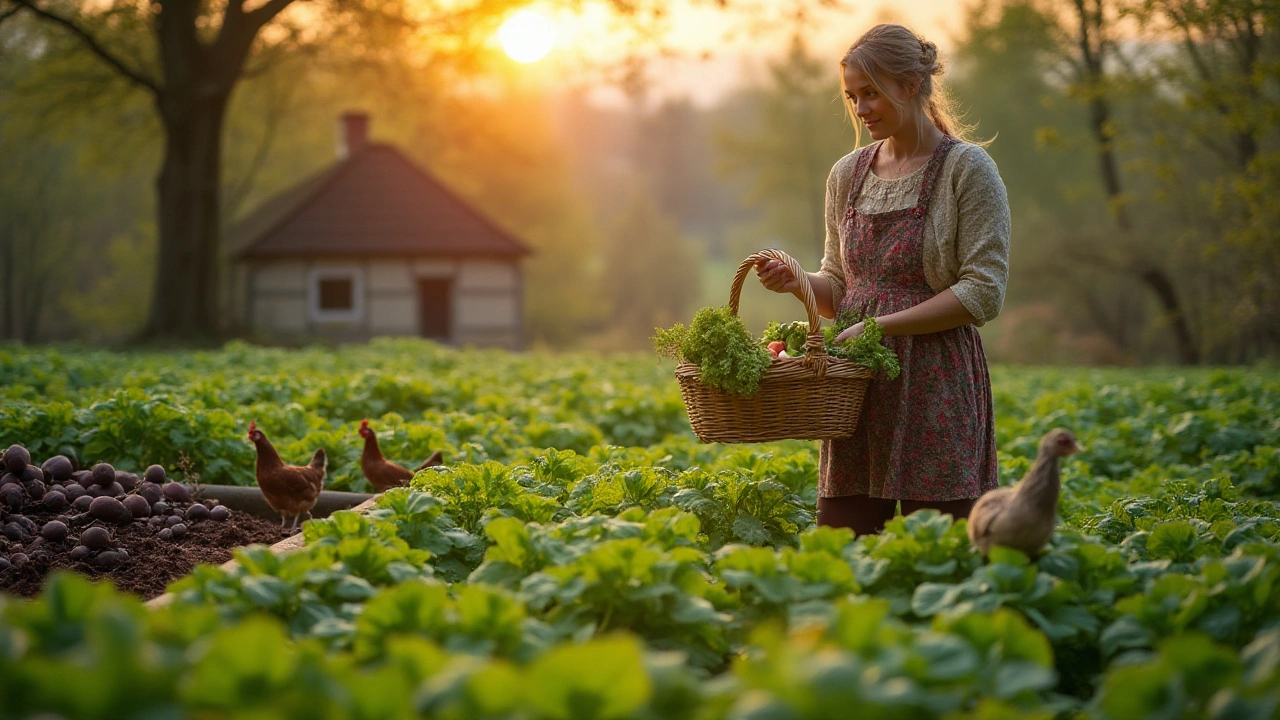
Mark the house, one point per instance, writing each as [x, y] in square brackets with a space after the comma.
[373, 245]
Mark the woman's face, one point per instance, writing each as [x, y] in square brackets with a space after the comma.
[872, 107]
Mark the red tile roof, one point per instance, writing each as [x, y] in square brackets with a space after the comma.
[377, 202]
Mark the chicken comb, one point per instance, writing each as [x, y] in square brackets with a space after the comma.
[364, 424]
[253, 425]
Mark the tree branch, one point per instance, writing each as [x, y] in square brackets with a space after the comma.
[239, 29]
[1126, 62]
[275, 111]
[1210, 140]
[1249, 42]
[110, 59]
[268, 57]
[1193, 52]
[264, 14]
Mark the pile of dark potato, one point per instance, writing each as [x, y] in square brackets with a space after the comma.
[47, 508]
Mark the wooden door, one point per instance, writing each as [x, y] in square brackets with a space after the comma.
[435, 308]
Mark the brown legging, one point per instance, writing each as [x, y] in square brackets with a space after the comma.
[867, 515]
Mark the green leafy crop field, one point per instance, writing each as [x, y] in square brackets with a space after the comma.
[581, 555]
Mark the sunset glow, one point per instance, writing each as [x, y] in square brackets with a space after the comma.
[527, 36]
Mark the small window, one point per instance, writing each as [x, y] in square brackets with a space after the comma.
[337, 294]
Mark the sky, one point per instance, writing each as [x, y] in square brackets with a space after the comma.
[718, 52]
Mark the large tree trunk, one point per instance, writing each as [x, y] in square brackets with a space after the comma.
[1099, 123]
[1154, 278]
[1161, 285]
[185, 291]
[196, 79]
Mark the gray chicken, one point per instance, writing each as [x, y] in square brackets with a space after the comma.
[1022, 517]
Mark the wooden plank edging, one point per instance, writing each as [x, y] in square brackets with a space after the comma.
[291, 544]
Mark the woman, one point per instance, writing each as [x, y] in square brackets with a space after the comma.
[918, 238]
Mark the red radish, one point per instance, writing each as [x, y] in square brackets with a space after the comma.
[777, 346]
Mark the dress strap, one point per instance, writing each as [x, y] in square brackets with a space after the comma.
[932, 173]
[865, 161]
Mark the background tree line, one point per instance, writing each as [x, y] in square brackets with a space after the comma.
[1138, 140]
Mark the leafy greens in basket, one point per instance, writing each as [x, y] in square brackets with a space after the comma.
[865, 350]
[732, 361]
[719, 344]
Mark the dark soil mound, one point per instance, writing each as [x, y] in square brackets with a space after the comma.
[152, 563]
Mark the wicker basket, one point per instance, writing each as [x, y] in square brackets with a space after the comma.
[817, 397]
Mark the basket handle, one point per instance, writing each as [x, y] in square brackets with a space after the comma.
[814, 341]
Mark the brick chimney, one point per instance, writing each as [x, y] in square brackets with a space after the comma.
[353, 134]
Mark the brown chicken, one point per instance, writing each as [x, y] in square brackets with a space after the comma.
[382, 473]
[1022, 517]
[289, 489]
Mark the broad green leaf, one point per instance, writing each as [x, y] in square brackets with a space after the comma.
[1007, 556]
[1017, 677]
[948, 657]
[930, 599]
[265, 591]
[749, 529]
[1174, 540]
[601, 679]
[1125, 633]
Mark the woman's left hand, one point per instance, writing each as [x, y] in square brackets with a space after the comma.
[850, 333]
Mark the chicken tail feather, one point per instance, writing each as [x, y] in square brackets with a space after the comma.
[320, 459]
[437, 458]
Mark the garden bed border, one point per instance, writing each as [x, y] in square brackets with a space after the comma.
[250, 500]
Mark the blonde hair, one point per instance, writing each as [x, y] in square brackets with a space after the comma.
[893, 51]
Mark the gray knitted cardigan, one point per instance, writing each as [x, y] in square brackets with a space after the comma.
[966, 237]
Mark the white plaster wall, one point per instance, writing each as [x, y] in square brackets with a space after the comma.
[485, 311]
[387, 277]
[435, 268]
[393, 315]
[280, 315]
[486, 275]
[287, 276]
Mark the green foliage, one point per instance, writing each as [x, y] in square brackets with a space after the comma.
[667, 342]
[866, 660]
[1148, 109]
[420, 521]
[92, 156]
[866, 349]
[699, 560]
[732, 507]
[719, 344]
[603, 680]
[477, 492]
[1192, 676]
[134, 410]
[793, 334]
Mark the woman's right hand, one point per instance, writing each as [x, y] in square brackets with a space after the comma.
[776, 276]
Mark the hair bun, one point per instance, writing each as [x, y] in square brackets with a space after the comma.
[929, 58]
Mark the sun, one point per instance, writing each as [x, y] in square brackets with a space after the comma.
[527, 36]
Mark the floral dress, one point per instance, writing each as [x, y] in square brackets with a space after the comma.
[929, 434]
